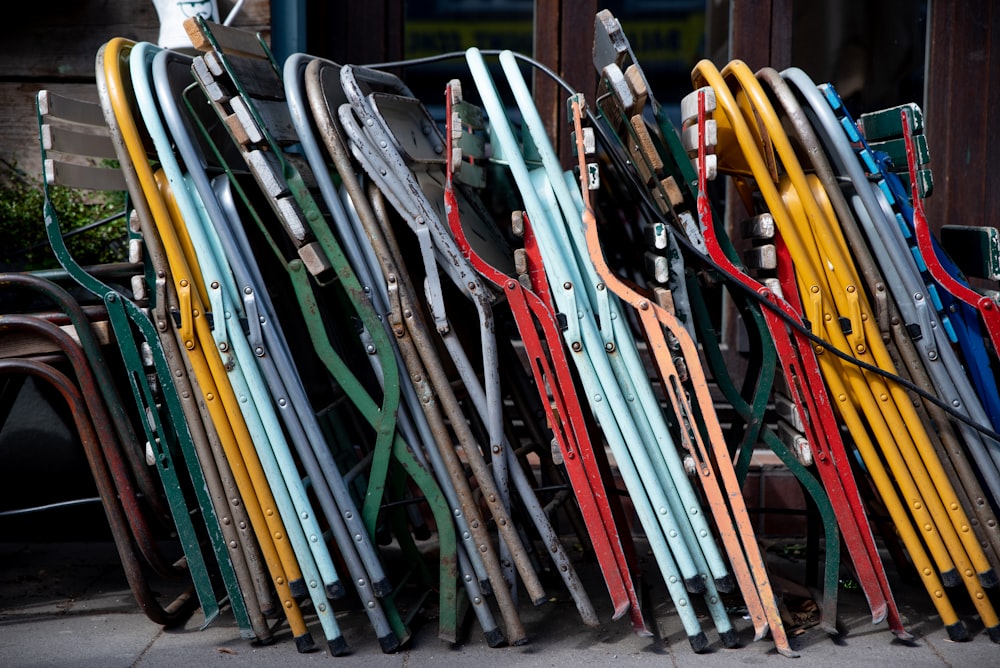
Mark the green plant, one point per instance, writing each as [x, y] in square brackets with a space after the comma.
[91, 223]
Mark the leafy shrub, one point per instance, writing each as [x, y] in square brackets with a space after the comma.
[94, 231]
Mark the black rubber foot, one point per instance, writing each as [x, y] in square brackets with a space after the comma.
[730, 639]
[522, 641]
[994, 633]
[299, 589]
[725, 584]
[335, 591]
[495, 638]
[951, 578]
[699, 642]
[422, 532]
[337, 646]
[988, 579]
[694, 585]
[957, 632]
[389, 643]
[263, 641]
[382, 588]
[305, 643]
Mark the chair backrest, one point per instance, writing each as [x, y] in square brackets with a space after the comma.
[76, 144]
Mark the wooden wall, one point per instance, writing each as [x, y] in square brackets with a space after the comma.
[53, 45]
[962, 112]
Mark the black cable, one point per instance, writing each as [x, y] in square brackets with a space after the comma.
[654, 213]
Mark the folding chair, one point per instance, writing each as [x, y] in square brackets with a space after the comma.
[285, 481]
[924, 340]
[546, 357]
[165, 428]
[196, 333]
[91, 401]
[883, 359]
[661, 165]
[414, 184]
[381, 119]
[170, 613]
[966, 324]
[832, 459]
[712, 458]
[412, 421]
[272, 344]
[324, 251]
[820, 104]
[438, 402]
[601, 371]
[105, 409]
[813, 289]
[895, 188]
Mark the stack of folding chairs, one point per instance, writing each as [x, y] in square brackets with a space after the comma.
[349, 328]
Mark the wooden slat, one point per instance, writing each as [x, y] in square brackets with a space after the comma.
[887, 124]
[232, 40]
[275, 117]
[214, 90]
[760, 226]
[54, 105]
[896, 150]
[83, 176]
[256, 76]
[763, 257]
[66, 140]
[23, 344]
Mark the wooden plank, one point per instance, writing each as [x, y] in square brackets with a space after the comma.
[546, 50]
[576, 65]
[975, 249]
[232, 40]
[58, 43]
[19, 122]
[65, 140]
[53, 105]
[24, 344]
[356, 32]
[257, 77]
[750, 33]
[561, 28]
[959, 109]
[83, 176]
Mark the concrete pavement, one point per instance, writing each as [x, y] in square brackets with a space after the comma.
[67, 604]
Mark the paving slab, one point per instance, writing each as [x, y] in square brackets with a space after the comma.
[67, 604]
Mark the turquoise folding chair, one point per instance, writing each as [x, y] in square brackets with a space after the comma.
[380, 120]
[653, 487]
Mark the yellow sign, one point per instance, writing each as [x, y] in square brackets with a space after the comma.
[676, 40]
[431, 38]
